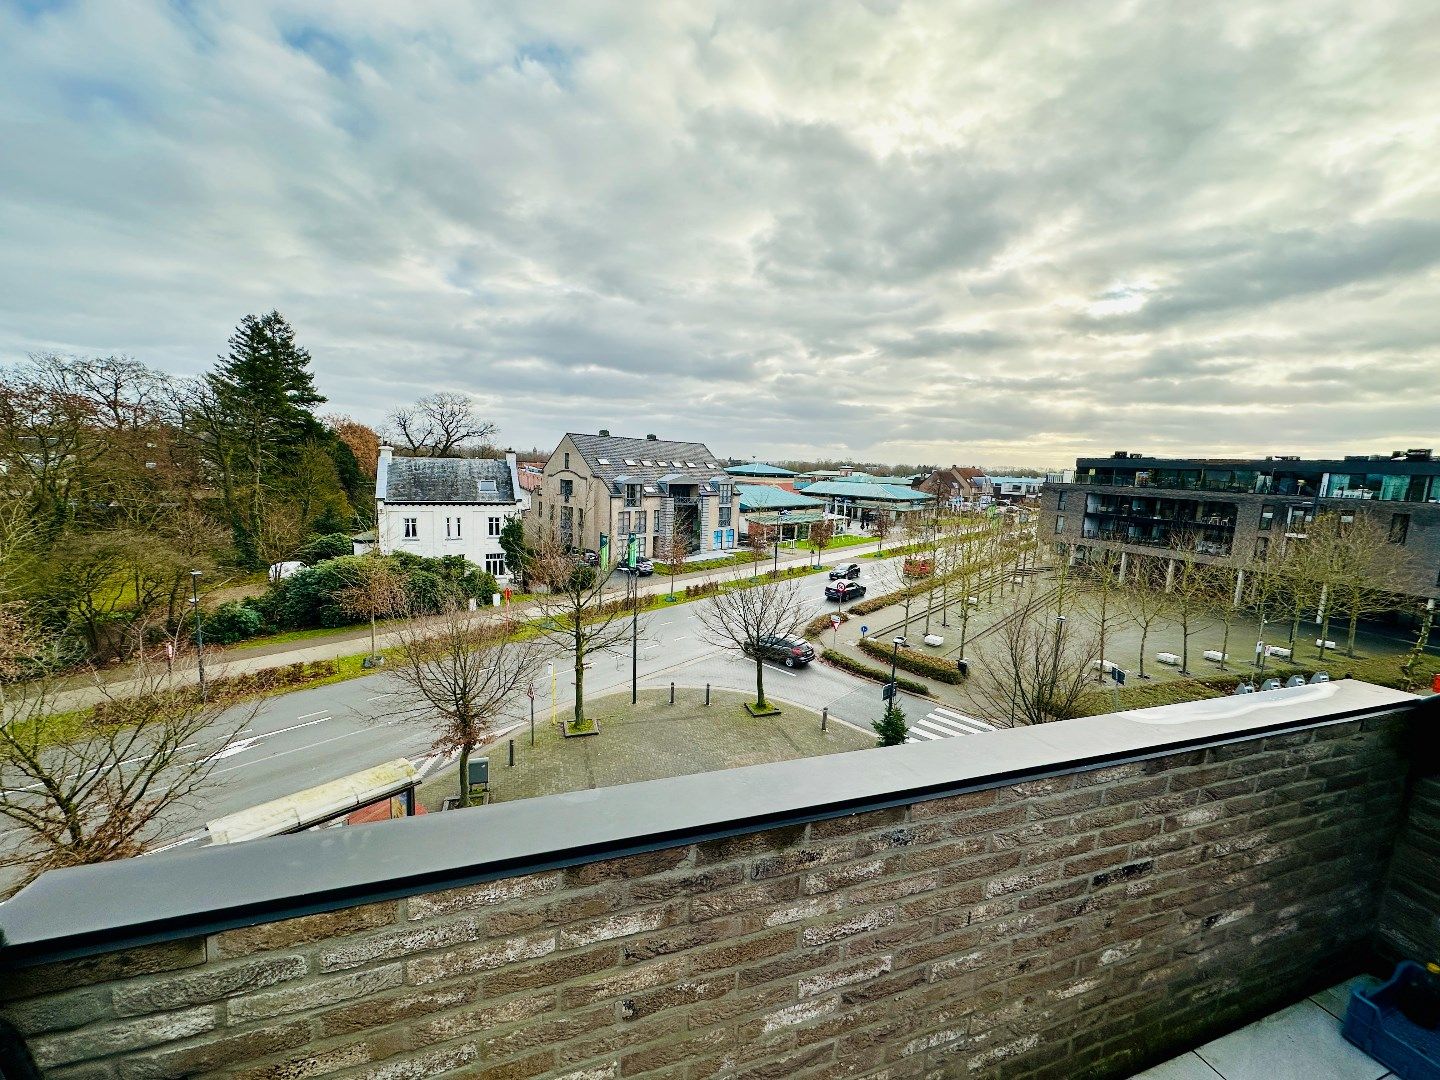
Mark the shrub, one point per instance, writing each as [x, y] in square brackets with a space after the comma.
[918, 663]
[319, 549]
[233, 621]
[821, 624]
[865, 671]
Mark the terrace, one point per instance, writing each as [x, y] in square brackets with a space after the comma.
[1090, 898]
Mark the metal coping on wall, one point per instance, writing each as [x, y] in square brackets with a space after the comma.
[132, 929]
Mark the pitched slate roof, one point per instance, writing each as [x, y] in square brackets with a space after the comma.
[758, 468]
[770, 497]
[446, 480]
[627, 457]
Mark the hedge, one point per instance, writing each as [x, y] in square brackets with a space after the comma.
[865, 671]
[919, 663]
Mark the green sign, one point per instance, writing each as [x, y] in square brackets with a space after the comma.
[632, 550]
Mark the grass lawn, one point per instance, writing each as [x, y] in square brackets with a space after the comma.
[848, 540]
[650, 741]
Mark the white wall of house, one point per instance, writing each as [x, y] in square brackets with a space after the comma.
[433, 531]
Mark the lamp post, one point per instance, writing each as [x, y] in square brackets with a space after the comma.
[1059, 629]
[1260, 647]
[199, 628]
[894, 656]
[634, 635]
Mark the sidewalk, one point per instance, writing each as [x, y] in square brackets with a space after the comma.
[353, 641]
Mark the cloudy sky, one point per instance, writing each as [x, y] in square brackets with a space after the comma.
[1002, 232]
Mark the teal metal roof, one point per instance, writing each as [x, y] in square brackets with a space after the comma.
[758, 468]
[769, 497]
[795, 517]
[866, 489]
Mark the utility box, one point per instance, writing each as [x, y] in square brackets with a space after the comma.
[479, 771]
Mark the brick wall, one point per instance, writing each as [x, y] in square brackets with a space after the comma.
[1410, 915]
[1070, 927]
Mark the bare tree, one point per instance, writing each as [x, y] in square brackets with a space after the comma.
[819, 538]
[1190, 583]
[574, 615]
[1104, 586]
[881, 527]
[1369, 572]
[1144, 599]
[122, 785]
[747, 619]
[279, 530]
[459, 675]
[439, 423]
[1035, 667]
[377, 592]
[756, 541]
[677, 550]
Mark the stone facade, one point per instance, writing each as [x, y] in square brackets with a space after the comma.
[1083, 925]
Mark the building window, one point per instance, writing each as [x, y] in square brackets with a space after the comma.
[1060, 501]
[725, 517]
[494, 563]
[1059, 524]
[1267, 515]
[624, 526]
[632, 494]
[552, 513]
[495, 526]
[1399, 528]
[412, 528]
[567, 488]
[452, 528]
[640, 522]
[567, 461]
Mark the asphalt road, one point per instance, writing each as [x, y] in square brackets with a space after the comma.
[298, 740]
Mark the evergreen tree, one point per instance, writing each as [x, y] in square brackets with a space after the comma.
[257, 417]
[891, 729]
[517, 552]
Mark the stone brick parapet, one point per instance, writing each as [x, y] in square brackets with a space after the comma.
[1078, 920]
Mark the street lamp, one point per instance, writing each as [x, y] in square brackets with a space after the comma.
[894, 656]
[199, 628]
[1059, 629]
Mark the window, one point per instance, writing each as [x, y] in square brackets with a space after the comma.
[725, 517]
[632, 494]
[1267, 515]
[452, 528]
[624, 526]
[495, 526]
[494, 563]
[539, 509]
[552, 513]
[1060, 501]
[412, 528]
[1399, 528]
[1059, 524]
[567, 488]
[567, 461]
[640, 521]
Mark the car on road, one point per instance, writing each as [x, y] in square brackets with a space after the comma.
[849, 573]
[642, 568]
[788, 649]
[844, 590]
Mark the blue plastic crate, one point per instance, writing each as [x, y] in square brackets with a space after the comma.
[1374, 1023]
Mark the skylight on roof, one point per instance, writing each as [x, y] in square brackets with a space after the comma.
[711, 465]
[689, 465]
[647, 464]
[651, 489]
[603, 460]
[631, 461]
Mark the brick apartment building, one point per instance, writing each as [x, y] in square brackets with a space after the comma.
[1236, 510]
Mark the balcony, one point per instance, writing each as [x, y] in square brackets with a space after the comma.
[1090, 898]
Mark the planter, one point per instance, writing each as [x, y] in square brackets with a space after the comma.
[1398, 1022]
[769, 710]
[571, 731]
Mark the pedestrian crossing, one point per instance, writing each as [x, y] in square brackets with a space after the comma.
[941, 723]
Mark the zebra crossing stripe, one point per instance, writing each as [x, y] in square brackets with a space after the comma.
[915, 730]
[945, 727]
[965, 721]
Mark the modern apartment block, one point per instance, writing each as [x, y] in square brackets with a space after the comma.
[1235, 510]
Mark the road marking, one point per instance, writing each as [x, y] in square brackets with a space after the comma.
[245, 744]
[925, 734]
[946, 727]
[961, 718]
[783, 671]
[376, 697]
[306, 716]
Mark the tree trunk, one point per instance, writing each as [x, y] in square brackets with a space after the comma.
[759, 680]
[465, 775]
[372, 633]
[579, 682]
[1185, 645]
[1225, 643]
[964, 620]
[1144, 637]
[1354, 627]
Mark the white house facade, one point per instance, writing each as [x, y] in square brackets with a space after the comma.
[432, 507]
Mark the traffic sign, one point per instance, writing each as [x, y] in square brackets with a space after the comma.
[864, 631]
[887, 691]
[1118, 674]
[834, 620]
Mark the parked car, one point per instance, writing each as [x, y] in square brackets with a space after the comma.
[590, 558]
[850, 572]
[642, 568]
[787, 649]
[844, 590]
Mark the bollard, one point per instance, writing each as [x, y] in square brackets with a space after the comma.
[707, 694]
[672, 693]
[824, 716]
[512, 753]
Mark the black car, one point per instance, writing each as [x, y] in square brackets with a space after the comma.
[642, 568]
[590, 558]
[844, 590]
[786, 649]
[848, 573]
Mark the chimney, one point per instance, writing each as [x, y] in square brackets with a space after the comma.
[650, 438]
[604, 433]
[385, 452]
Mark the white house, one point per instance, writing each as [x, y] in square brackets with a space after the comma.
[434, 506]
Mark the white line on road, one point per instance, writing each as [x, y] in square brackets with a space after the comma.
[306, 716]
